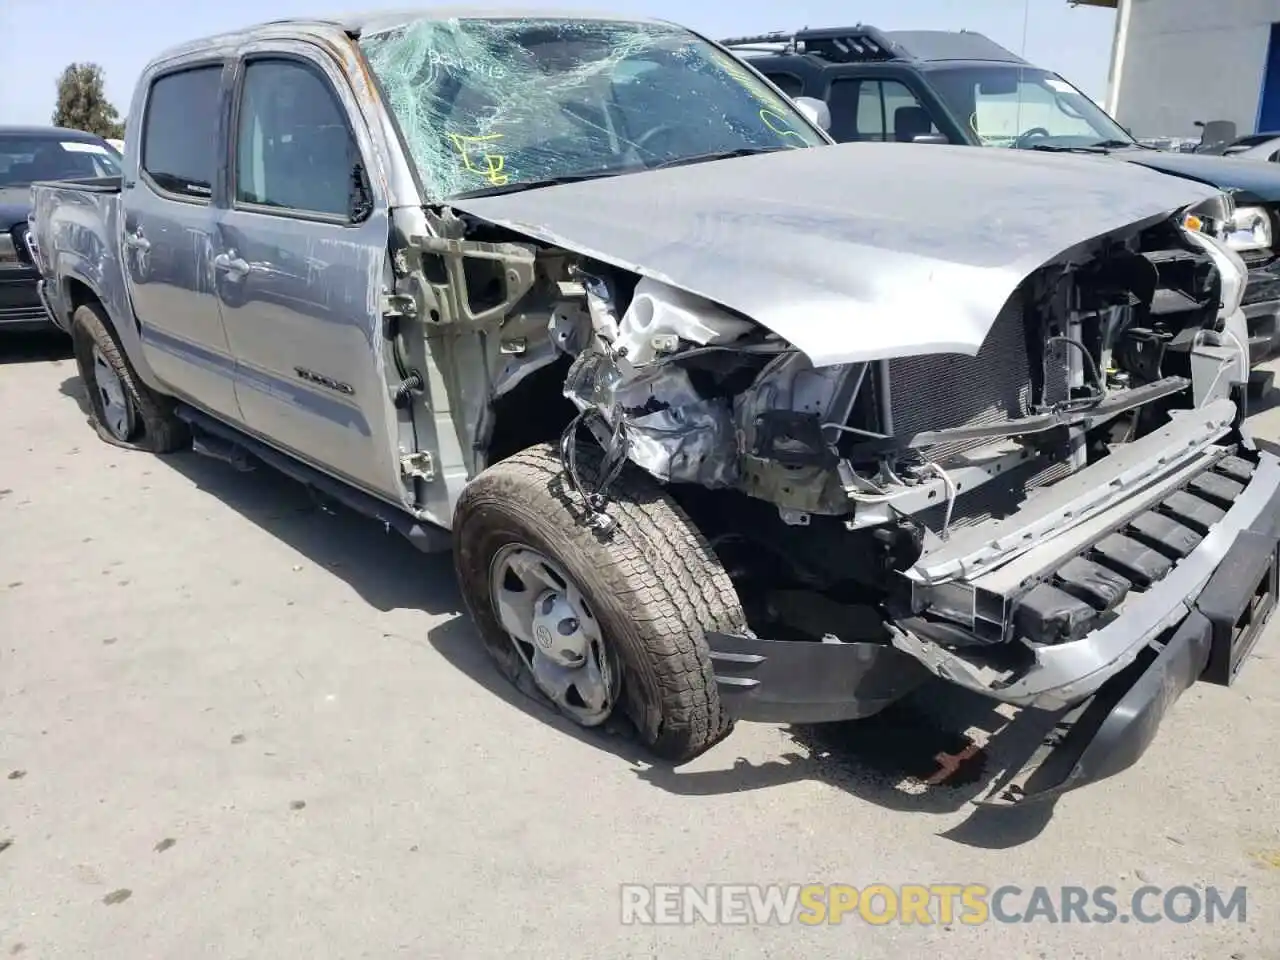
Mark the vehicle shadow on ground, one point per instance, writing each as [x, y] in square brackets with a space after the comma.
[887, 760]
[387, 571]
[34, 347]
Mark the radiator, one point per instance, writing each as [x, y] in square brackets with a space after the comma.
[944, 391]
[948, 390]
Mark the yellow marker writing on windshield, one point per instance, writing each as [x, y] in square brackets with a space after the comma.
[493, 162]
[778, 124]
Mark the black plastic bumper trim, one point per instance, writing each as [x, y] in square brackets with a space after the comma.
[801, 681]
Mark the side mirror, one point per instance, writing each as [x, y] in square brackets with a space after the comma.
[931, 138]
[815, 110]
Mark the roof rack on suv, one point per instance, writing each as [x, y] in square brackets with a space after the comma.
[857, 44]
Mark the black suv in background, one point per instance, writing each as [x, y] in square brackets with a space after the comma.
[963, 88]
[28, 154]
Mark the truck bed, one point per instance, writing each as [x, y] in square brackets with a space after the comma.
[76, 227]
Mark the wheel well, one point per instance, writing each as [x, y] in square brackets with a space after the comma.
[536, 411]
[79, 293]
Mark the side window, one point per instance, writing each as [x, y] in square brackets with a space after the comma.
[294, 148]
[180, 133]
[789, 84]
[876, 110]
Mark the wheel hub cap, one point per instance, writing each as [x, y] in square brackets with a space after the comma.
[555, 632]
[117, 411]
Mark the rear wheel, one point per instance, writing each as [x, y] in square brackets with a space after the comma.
[124, 410]
[593, 620]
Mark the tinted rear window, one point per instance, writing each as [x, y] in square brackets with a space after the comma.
[179, 142]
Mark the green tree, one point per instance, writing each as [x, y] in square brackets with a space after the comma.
[83, 104]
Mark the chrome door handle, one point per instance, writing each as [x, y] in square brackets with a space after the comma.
[232, 266]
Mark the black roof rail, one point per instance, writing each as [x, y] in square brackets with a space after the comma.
[856, 44]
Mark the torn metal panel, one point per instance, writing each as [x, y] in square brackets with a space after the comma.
[917, 251]
[669, 429]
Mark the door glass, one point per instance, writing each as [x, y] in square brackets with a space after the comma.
[876, 110]
[179, 138]
[294, 149]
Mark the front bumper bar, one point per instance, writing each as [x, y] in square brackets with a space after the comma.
[1209, 634]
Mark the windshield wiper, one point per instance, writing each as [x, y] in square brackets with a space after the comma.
[613, 172]
[715, 155]
[1093, 148]
[1119, 144]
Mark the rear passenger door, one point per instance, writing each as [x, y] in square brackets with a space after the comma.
[300, 265]
[167, 236]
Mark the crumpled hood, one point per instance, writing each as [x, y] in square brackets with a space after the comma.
[1252, 180]
[852, 252]
[15, 204]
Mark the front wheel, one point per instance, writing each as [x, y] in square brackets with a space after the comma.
[597, 619]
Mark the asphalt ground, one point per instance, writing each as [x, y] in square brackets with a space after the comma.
[234, 724]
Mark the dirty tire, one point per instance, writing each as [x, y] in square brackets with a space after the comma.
[652, 580]
[156, 429]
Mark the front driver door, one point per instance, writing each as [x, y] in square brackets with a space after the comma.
[300, 267]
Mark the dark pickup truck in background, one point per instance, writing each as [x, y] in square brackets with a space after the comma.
[721, 420]
[941, 87]
[28, 154]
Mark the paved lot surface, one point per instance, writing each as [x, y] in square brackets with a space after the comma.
[234, 725]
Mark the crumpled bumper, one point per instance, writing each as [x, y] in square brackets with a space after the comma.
[1109, 715]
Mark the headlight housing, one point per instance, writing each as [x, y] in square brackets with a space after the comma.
[1211, 216]
[1248, 229]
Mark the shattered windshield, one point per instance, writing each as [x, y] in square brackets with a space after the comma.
[493, 104]
[1025, 107]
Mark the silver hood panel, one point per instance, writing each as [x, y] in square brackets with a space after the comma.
[854, 252]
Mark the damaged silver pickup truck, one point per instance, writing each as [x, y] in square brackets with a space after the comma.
[721, 420]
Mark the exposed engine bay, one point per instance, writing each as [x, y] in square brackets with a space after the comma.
[873, 486]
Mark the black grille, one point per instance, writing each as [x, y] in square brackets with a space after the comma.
[1253, 259]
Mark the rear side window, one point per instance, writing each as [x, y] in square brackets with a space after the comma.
[180, 137]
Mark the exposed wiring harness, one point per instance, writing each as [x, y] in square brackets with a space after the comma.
[950, 487]
[615, 458]
[1100, 394]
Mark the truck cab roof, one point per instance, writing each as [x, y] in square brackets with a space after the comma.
[361, 22]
